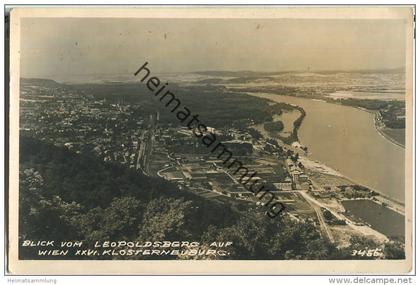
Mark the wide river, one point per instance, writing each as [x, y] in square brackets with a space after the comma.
[346, 139]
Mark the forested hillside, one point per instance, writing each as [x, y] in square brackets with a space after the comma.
[69, 196]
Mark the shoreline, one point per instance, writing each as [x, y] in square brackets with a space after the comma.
[395, 204]
[390, 139]
[379, 126]
[380, 199]
[377, 122]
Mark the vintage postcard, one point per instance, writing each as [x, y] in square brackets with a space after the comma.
[211, 140]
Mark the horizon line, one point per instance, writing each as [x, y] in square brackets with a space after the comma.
[234, 71]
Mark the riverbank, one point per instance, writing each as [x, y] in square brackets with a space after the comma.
[376, 216]
[370, 222]
[379, 123]
[381, 198]
[380, 126]
[346, 139]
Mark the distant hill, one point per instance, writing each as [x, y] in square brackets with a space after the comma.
[40, 82]
[248, 73]
[245, 73]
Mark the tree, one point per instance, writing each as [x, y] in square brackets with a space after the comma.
[165, 218]
[43, 216]
[394, 250]
[122, 218]
[119, 221]
[327, 214]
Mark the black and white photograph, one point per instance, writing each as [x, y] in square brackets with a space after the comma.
[197, 136]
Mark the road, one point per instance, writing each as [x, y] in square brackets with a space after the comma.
[145, 148]
[324, 227]
[365, 230]
[164, 169]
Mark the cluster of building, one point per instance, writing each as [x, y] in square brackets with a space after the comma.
[299, 180]
[126, 134]
[82, 123]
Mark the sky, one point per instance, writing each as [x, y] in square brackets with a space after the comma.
[59, 47]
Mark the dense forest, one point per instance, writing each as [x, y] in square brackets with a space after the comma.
[222, 108]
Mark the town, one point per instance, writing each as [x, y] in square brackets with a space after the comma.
[134, 137]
